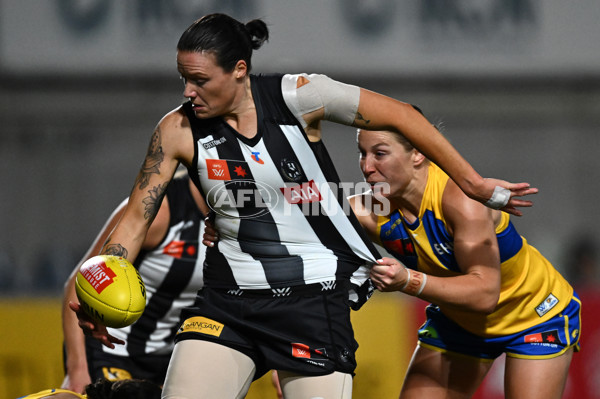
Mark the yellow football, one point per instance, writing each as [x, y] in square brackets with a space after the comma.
[110, 290]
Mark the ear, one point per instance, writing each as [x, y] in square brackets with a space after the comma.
[418, 158]
[241, 69]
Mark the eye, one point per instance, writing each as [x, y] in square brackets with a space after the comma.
[184, 80]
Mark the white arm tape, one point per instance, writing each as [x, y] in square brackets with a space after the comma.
[499, 199]
[339, 100]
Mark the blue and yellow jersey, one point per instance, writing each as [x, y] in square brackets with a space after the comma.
[532, 290]
[51, 392]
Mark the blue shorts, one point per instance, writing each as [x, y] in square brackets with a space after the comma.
[543, 341]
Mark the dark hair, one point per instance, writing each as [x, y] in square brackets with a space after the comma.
[229, 39]
[123, 389]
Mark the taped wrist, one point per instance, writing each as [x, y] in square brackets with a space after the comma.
[415, 283]
[500, 198]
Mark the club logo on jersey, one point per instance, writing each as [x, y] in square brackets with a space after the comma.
[213, 143]
[202, 325]
[291, 170]
[546, 337]
[547, 305]
[99, 276]
[180, 249]
[302, 193]
[256, 158]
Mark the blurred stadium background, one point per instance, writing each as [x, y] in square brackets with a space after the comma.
[515, 85]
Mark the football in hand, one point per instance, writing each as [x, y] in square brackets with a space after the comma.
[110, 290]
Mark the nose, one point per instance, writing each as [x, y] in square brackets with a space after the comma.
[366, 165]
[189, 91]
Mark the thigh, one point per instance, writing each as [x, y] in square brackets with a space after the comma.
[203, 369]
[336, 385]
[529, 378]
[435, 374]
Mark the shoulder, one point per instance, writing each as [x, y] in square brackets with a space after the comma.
[175, 119]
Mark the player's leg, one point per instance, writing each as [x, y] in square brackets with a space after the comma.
[331, 386]
[529, 378]
[203, 369]
[433, 374]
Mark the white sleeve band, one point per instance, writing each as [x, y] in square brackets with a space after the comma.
[499, 199]
[422, 285]
[338, 100]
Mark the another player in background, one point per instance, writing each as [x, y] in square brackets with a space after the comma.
[276, 286]
[171, 266]
[491, 292]
[104, 389]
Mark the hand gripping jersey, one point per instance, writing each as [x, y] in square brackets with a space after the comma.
[172, 273]
[282, 218]
[532, 290]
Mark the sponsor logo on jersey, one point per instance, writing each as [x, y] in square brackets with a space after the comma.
[304, 351]
[428, 332]
[202, 325]
[180, 249]
[115, 374]
[99, 276]
[279, 292]
[546, 337]
[256, 158]
[402, 246]
[213, 143]
[217, 169]
[546, 305]
[222, 169]
[302, 193]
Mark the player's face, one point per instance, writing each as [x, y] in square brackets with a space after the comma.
[384, 160]
[212, 90]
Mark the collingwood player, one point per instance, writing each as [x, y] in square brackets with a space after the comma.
[280, 283]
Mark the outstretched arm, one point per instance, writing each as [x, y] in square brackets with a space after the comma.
[378, 112]
[313, 98]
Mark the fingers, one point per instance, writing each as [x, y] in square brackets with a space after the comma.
[521, 192]
[75, 307]
[210, 236]
[209, 239]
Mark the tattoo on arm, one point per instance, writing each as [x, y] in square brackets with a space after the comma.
[154, 158]
[114, 249]
[359, 117]
[153, 201]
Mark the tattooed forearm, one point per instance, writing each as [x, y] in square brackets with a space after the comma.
[359, 118]
[114, 249]
[154, 158]
[153, 201]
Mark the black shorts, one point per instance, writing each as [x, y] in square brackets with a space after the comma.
[309, 333]
[112, 367]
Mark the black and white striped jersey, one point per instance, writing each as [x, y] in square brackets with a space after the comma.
[282, 217]
[172, 273]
